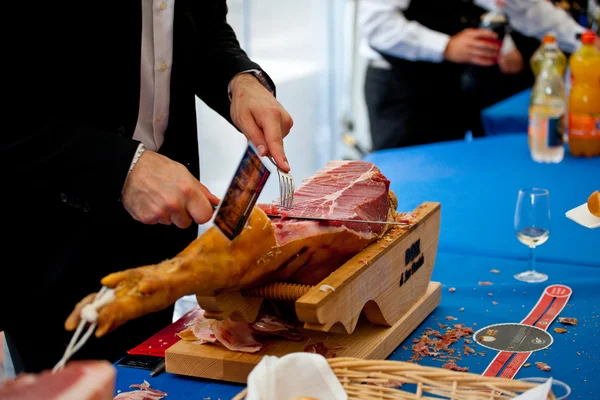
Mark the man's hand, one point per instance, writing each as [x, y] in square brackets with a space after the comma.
[473, 46]
[511, 62]
[160, 190]
[260, 117]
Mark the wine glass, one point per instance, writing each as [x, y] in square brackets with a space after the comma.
[532, 225]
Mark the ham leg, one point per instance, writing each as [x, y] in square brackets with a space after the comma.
[290, 250]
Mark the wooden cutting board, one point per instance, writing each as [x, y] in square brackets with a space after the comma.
[368, 341]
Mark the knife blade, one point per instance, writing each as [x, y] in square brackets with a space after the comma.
[241, 196]
[336, 219]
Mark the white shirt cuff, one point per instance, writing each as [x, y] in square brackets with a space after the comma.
[436, 45]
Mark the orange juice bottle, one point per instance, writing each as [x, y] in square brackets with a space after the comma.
[584, 99]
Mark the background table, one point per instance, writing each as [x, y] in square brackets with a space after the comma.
[477, 184]
[509, 116]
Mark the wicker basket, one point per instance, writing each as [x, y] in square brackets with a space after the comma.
[355, 374]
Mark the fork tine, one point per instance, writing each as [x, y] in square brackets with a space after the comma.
[290, 190]
[281, 189]
[286, 191]
[283, 185]
[286, 187]
[293, 189]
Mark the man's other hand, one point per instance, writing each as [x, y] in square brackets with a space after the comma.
[473, 46]
[511, 62]
[260, 117]
[159, 190]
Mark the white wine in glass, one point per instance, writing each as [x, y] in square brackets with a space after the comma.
[532, 225]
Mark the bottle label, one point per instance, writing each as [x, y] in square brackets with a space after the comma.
[584, 126]
[549, 129]
[555, 129]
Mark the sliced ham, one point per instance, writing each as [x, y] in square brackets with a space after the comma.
[78, 380]
[143, 392]
[236, 336]
[273, 326]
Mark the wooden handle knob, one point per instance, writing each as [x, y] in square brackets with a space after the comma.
[278, 291]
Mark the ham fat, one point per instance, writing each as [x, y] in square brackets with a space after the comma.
[280, 249]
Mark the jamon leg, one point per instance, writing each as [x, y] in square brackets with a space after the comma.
[211, 262]
[299, 251]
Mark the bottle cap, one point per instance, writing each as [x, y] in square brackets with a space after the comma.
[549, 38]
[588, 37]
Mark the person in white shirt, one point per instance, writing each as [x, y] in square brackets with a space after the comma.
[418, 51]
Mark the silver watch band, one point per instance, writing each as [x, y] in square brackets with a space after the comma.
[138, 153]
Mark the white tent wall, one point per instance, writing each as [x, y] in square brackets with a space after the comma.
[301, 45]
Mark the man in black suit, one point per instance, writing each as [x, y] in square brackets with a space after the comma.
[100, 155]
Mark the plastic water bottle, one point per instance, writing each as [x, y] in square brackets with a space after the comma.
[548, 49]
[547, 114]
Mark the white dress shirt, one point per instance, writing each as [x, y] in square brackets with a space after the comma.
[384, 27]
[155, 75]
[155, 68]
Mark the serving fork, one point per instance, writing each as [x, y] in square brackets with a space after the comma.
[286, 186]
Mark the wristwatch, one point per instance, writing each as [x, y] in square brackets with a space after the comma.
[262, 78]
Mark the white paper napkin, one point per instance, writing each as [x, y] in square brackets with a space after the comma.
[537, 393]
[294, 375]
[583, 216]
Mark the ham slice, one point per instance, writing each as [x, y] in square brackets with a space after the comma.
[236, 336]
[270, 325]
[265, 250]
[143, 392]
[199, 330]
[78, 380]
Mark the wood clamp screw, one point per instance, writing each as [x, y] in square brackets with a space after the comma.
[278, 291]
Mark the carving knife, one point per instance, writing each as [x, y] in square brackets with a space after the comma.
[336, 219]
[245, 187]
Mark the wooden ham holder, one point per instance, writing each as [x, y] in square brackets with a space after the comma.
[380, 296]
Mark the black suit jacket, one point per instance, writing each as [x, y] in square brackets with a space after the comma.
[73, 88]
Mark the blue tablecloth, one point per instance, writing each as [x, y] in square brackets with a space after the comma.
[177, 387]
[477, 184]
[574, 356]
[509, 116]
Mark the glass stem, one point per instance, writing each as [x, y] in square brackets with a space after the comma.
[531, 259]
